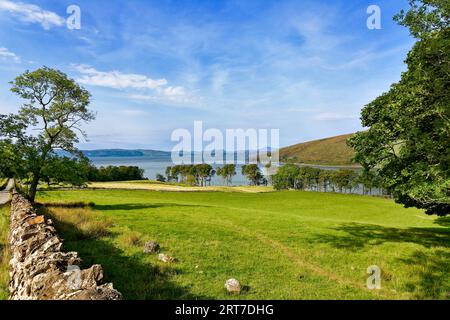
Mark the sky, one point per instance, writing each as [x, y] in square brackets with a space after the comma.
[303, 67]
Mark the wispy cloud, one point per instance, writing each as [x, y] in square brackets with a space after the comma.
[32, 13]
[169, 95]
[116, 79]
[8, 55]
[148, 89]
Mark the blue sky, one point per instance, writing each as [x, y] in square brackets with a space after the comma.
[304, 67]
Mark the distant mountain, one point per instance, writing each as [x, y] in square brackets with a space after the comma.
[156, 153]
[112, 153]
[328, 151]
[104, 153]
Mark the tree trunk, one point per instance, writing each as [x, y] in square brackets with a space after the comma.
[33, 187]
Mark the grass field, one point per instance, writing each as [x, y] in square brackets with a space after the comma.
[159, 186]
[280, 245]
[4, 255]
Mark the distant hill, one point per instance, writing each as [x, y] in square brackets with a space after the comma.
[328, 151]
[105, 153]
[113, 153]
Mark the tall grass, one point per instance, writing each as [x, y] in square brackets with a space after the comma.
[77, 222]
[4, 252]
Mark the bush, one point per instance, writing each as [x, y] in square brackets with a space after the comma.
[113, 173]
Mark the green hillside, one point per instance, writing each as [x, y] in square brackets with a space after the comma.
[328, 151]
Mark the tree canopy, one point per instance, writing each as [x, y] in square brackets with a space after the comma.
[408, 138]
[55, 107]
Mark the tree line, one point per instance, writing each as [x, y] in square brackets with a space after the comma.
[293, 177]
[115, 173]
[76, 171]
[199, 175]
[202, 174]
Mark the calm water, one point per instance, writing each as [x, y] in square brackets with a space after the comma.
[154, 166]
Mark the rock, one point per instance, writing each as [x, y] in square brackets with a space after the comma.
[40, 270]
[165, 258]
[151, 247]
[233, 286]
[37, 220]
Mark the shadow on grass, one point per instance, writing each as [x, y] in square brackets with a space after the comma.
[67, 204]
[433, 275]
[443, 221]
[134, 278]
[119, 206]
[359, 236]
[137, 206]
[431, 269]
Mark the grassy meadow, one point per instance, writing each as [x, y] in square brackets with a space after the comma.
[280, 245]
[174, 187]
[4, 254]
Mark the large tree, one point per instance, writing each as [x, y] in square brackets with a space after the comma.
[51, 117]
[408, 140]
[227, 172]
[253, 174]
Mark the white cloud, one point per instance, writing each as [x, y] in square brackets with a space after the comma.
[8, 55]
[159, 89]
[116, 79]
[32, 13]
[172, 95]
[332, 116]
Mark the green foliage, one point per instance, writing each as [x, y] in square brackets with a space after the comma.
[425, 17]
[195, 175]
[74, 171]
[294, 177]
[7, 156]
[115, 173]
[160, 178]
[409, 126]
[227, 172]
[344, 179]
[286, 177]
[253, 174]
[55, 106]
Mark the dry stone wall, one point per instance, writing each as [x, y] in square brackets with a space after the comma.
[40, 269]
